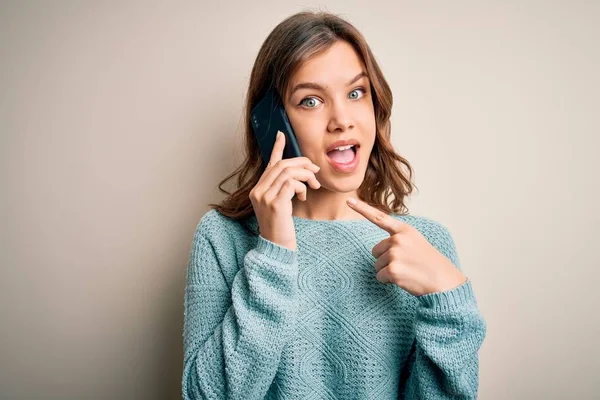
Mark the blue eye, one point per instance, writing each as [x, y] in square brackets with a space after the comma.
[357, 90]
[304, 101]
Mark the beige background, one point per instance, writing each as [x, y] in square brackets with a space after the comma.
[118, 120]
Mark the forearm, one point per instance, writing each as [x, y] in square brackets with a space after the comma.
[240, 356]
[449, 331]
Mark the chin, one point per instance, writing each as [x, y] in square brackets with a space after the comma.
[343, 184]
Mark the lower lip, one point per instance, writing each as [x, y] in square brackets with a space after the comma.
[348, 167]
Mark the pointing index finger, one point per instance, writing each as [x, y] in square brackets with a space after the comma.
[378, 217]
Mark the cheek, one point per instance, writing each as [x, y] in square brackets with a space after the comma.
[365, 115]
[365, 119]
[307, 129]
[368, 128]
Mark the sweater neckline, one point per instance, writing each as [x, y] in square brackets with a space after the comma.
[300, 221]
[328, 221]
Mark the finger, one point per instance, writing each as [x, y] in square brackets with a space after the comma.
[298, 162]
[277, 152]
[295, 176]
[378, 217]
[291, 188]
[384, 276]
[383, 246]
[271, 193]
[301, 163]
[299, 174]
[277, 155]
[382, 261]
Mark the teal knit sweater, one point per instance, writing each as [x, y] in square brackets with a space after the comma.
[263, 321]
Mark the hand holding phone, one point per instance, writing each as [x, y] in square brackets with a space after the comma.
[272, 196]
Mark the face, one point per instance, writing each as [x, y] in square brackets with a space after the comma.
[330, 100]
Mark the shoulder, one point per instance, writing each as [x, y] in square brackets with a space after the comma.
[213, 218]
[217, 227]
[220, 237]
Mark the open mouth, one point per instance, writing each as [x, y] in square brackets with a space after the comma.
[344, 159]
[343, 154]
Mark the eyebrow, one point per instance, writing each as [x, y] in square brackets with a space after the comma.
[312, 85]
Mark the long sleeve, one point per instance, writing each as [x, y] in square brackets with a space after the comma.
[449, 331]
[234, 337]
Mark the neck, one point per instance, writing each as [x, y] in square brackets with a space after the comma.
[324, 204]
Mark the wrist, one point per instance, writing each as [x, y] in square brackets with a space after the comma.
[287, 244]
[448, 280]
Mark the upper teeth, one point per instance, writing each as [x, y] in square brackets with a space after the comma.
[344, 147]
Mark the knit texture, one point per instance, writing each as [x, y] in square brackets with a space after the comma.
[265, 322]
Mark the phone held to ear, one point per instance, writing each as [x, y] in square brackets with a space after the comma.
[268, 117]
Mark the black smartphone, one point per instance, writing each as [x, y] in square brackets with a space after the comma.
[268, 117]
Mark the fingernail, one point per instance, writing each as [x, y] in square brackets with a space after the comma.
[279, 133]
[351, 201]
[318, 168]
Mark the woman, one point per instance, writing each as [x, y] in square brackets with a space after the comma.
[295, 292]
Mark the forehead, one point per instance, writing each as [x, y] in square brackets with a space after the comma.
[333, 67]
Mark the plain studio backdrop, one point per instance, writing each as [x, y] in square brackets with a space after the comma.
[118, 120]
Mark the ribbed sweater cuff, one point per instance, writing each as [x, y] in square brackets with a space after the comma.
[275, 251]
[451, 299]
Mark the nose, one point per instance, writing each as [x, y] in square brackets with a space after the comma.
[340, 119]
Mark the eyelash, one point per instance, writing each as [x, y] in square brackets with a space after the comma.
[364, 91]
